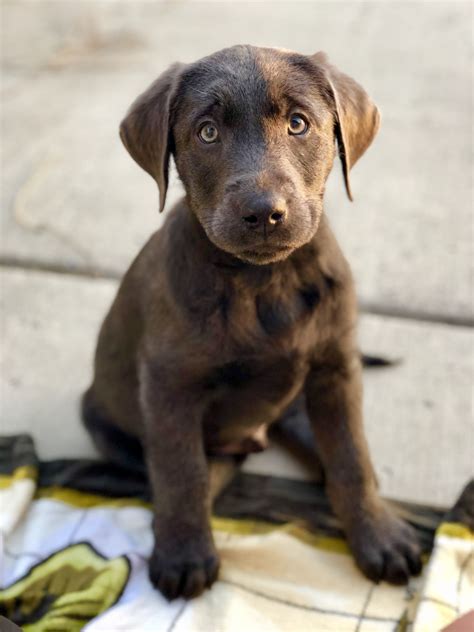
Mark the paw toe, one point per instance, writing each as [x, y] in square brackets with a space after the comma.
[212, 570]
[193, 582]
[395, 569]
[182, 579]
[371, 563]
[412, 555]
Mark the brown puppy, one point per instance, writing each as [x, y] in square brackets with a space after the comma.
[242, 304]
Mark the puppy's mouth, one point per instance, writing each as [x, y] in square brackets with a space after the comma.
[265, 254]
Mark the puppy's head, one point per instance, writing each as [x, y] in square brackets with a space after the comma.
[253, 132]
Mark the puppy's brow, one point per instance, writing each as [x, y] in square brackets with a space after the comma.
[299, 102]
[207, 110]
[291, 102]
[223, 106]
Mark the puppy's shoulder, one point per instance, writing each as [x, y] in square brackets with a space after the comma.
[162, 250]
[330, 259]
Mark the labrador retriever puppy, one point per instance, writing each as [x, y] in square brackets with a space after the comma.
[241, 306]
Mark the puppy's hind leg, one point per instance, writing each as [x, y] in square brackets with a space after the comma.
[114, 444]
[293, 432]
[221, 472]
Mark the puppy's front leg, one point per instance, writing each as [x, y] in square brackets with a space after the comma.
[184, 560]
[384, 547]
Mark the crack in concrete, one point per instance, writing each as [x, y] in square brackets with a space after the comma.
[89, 272]
[96, 272]
[366, 307]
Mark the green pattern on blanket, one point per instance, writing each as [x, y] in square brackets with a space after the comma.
[66, 590]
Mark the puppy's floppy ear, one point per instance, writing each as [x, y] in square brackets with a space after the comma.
[145, 131]
[357, 117]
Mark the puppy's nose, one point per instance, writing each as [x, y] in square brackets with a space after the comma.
[264, 211]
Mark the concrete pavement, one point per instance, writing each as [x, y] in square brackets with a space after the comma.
[74, 201]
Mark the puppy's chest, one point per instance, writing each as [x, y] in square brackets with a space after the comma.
[262, 343]
[248, 322]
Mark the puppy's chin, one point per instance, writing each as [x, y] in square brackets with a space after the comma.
[259, 258]
[255, 255]
[259, 255]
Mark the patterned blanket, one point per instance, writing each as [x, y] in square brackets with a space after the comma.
[76, 536]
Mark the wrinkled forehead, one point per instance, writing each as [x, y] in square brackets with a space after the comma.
[244, 80]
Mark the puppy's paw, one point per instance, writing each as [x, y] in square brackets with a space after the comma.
[185, 575]
[385, 547]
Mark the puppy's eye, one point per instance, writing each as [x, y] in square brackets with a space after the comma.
[208, 133]
[297, 125]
